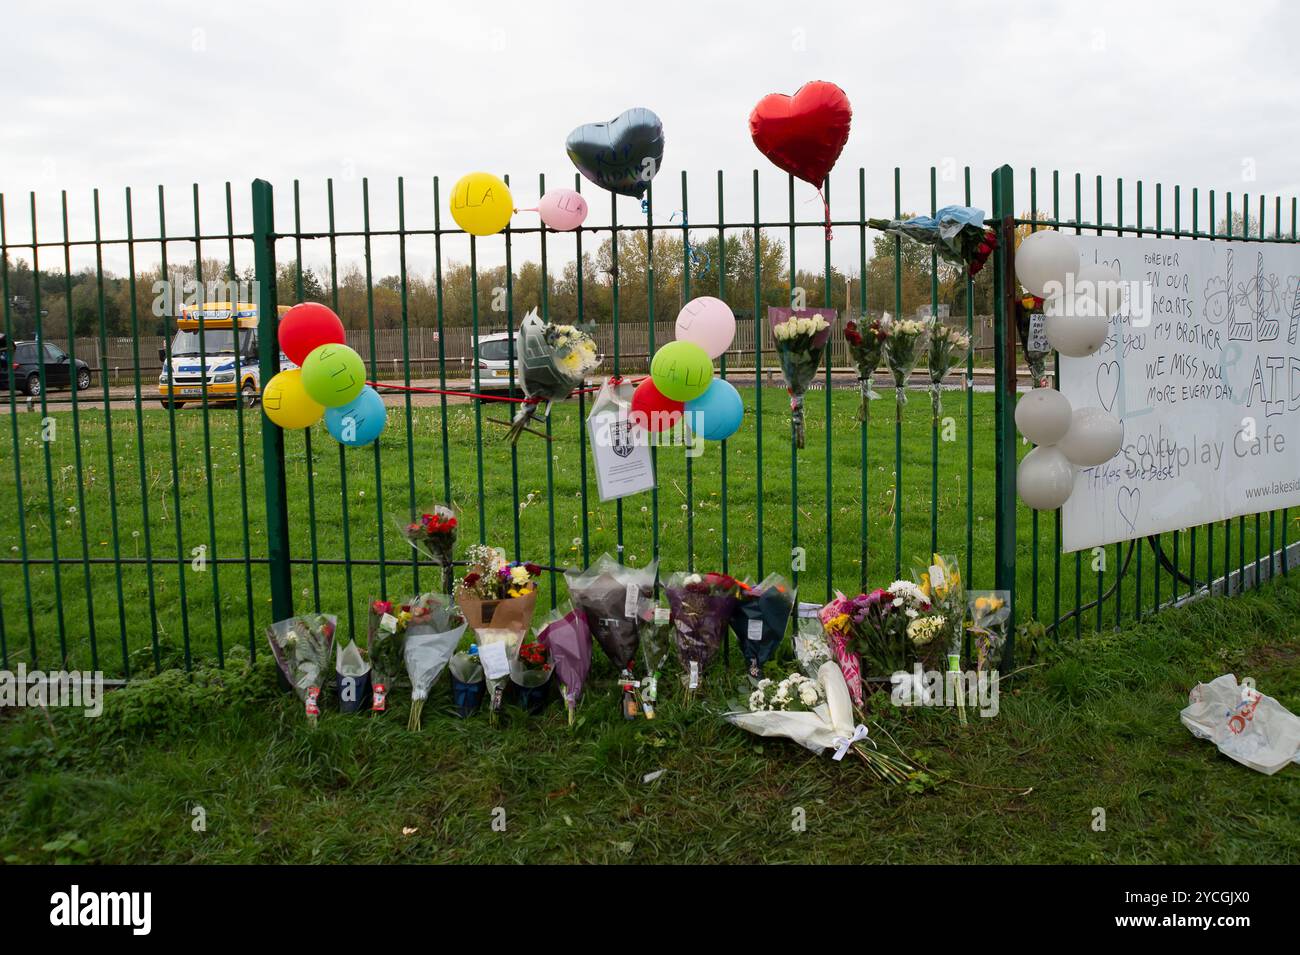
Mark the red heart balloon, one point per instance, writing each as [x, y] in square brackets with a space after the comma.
[805, 133]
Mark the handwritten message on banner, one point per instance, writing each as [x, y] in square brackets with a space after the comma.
[1202, 366]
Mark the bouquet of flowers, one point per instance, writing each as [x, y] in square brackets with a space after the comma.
[941, 583]
[810, 646]
[496, 593]
[656, 638]
[553, 361]
[839, 620]
[530, 672]
[432, 634]
[1030, 312]
[567, 634]
[614, 599]
[990, 611]
[384, 644]
[867, 346]
[701, 606]
[903, 341]
[799, 336]
[301, 647]
[760, 620]
[467, 682]
[957, 233]
[878, 624]
[948, 349]
[497, 650]
[434, 536]
[821, 725]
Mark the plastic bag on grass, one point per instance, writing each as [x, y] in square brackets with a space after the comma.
[1254, 729]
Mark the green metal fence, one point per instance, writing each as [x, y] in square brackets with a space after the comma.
[147, 537]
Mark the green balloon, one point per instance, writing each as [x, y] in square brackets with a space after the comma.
[333, 375]
[681, 371]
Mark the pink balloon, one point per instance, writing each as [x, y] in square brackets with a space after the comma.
[562, 209]
[709, 323]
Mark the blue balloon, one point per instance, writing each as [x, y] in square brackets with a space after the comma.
[716, 414]
[358, 422]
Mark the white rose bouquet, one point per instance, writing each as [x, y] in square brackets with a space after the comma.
[948, 349]
[794, 694]
[799, 336]
[904, 339]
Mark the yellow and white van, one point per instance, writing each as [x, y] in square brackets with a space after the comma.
[229, 355]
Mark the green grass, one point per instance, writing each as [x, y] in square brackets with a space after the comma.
[696, 514]
[1096, 725]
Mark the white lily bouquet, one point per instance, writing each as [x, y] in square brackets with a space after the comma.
[904, 339]
[949, 347]
[799, 336]
[553, 361]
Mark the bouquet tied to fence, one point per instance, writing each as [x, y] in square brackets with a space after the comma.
[956, 233]
[433, 534]
[904, 339]
[701, 606]
[495, 592]
[949, 347]
[432, 634]
[760, 620]
[867, 347]
[301, 646]
[1029, 312]
[553, 361]
[799, 336]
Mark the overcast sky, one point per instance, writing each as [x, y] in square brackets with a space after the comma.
[140, 94]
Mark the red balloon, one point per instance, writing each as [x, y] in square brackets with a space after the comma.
[306, 327]
[803, 134]
[652, 411]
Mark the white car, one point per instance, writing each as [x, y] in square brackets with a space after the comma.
[494, 362]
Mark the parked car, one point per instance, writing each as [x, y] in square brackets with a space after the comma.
[20, 368]
[494, 362]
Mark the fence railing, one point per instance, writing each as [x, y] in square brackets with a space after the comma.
[138, 537]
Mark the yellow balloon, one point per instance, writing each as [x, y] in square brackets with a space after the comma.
[481, 204]
[287, 403]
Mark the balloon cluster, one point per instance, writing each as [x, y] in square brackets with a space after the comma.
[1078, 303]
[330, 381]
[681, 381]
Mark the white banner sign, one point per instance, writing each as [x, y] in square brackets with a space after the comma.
[1202, 366]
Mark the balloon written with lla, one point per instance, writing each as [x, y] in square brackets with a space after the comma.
[709, 323]
[681, 370]
[333, 375]
[358, 422]
[286, 402]
[481, 203]
[562, 209]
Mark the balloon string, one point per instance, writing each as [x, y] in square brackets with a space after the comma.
[485, 396]
[829, 234]
[531, 209]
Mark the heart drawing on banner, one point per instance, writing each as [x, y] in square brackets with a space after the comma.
[1129, 500]
[1108, 384]
[805, 133]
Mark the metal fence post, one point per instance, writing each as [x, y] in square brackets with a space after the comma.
[1004, 361]
[268, 353]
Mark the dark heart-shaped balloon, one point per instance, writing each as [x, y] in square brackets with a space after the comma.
[622, 155]
[805, 133]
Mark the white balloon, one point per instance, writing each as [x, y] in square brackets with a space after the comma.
[1045, 257]
[1101, 283]
[1076, 327]
[1094, 437]
[1043, 415]
[1045, 478]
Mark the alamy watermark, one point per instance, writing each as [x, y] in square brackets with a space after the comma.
[72, 689]
[977, 689]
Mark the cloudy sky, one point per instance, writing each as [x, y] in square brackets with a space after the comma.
[142, 94]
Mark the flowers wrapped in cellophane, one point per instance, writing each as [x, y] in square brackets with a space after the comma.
[656, 641]
[839, 623]
[957, 233]
[433, 534]
[301, 646]
[990, 613]
[867, 346]
[1030, 312]
[760, 620]
[949, 347]
[432, 635]
[553, 361]
[811, 648]
[387, 627]
[701, 606]
[904, 338]
[497, 651]
[614, 598]
[799, 336]
[568, 635]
